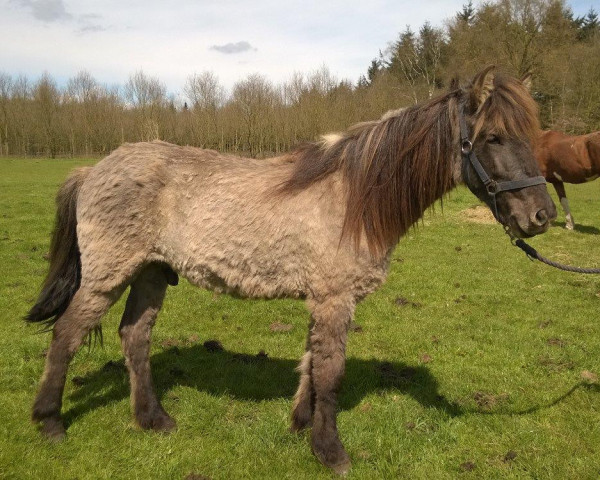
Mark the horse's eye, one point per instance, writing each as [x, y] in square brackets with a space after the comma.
[493, 139]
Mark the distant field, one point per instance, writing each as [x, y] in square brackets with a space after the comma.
[467, 362]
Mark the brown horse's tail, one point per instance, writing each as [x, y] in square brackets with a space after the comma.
[64, 276]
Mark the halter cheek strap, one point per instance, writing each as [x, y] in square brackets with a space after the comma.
[492, 186]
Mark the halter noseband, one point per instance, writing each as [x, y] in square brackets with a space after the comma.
[492, 186]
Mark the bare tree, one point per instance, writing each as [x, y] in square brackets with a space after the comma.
[5, 89]
[207, 97]
[147, 95]
[46, 97]
[254, 99]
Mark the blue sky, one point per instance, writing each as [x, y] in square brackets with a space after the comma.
[232, 38]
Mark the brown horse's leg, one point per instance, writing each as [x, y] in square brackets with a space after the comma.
[327, 355]
[83, 313]
[143, 304]
[304, 400]
[562, 195]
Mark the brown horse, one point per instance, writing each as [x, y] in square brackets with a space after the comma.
[570, 159]
[318, 223]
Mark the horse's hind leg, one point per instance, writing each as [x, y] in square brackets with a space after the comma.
[81, 316]
[143, 304]
[327, 357]
[562, 195]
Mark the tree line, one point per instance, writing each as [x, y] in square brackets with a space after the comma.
[259, 118]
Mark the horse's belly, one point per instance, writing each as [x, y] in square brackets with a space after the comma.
[243, 280]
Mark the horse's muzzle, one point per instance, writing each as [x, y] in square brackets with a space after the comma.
[537, 223]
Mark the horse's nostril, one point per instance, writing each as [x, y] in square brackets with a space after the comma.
[541, 217]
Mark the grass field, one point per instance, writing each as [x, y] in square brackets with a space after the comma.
[467, 364]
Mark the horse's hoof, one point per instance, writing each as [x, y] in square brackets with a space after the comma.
[339, 466]
[333, 456]
[159, 422]
[53, 429]
[343, 468]
[165, 424]
[570, 226]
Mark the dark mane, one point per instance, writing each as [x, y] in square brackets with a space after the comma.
[396, 167]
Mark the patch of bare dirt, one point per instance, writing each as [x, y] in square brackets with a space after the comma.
[170, 342]
[589, 377]
[478, 214]
[425, 358]
[460, 299]
[404, 302]
[510, 456]
[196, 476]
[281, 327]
[556, 364]
[557, 342]
[487, 400]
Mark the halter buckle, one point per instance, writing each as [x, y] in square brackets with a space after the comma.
[466, 147]
[492, 188]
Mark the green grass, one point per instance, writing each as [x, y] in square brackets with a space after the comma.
[487, 363]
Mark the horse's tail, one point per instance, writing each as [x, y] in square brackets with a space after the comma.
[64, 276]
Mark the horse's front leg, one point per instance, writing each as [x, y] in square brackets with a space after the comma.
[562, 196]
[327, 341]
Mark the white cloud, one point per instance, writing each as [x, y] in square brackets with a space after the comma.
[229, 48]
[46, 10]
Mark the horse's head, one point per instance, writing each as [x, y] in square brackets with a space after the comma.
[499, 126]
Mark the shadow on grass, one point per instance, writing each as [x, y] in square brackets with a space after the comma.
[579, 228]
[258, 378]
[586, 386]
[253, 378]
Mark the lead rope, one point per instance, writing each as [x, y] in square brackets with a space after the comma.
[533, 254]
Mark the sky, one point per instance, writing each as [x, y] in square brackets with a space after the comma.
[232, 38]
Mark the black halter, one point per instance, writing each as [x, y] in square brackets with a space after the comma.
[492, 186]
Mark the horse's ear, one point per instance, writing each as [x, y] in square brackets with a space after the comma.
[454, 83]
[526, 80]
[482, 86]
